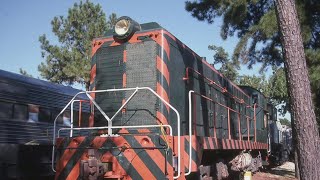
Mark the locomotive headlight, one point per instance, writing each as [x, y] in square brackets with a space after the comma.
[124, 28]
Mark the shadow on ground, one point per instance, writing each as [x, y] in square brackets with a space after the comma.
[282, 172]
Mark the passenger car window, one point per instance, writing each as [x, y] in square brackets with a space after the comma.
[6, 110]
[20, 112]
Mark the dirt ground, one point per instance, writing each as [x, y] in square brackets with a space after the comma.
[283, 172]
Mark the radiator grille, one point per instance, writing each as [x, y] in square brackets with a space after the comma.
[140, 71]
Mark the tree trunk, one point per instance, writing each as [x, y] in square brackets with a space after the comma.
[299, 88]
[294, 141]
[294, 149]
[296, 165]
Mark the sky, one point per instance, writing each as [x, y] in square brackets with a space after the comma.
[22, 22]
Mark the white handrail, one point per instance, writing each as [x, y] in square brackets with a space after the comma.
[117, 127]
[97, 106]
[110, 127]
[190, 132]
[124, 104]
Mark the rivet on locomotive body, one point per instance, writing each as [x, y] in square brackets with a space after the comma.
[145, 141]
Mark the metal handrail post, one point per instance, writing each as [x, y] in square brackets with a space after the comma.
[71, 116]
[190, 132]
[54, 130]
[229, 132]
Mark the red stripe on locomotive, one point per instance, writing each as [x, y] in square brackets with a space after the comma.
[163, 93]
[163, 69]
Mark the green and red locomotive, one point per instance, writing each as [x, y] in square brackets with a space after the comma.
[160, 111]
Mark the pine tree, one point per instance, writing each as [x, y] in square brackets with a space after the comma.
[221, 57]
[254, 22]
[275, 88]
[112, 20]
[69, 61]
[25, 73]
